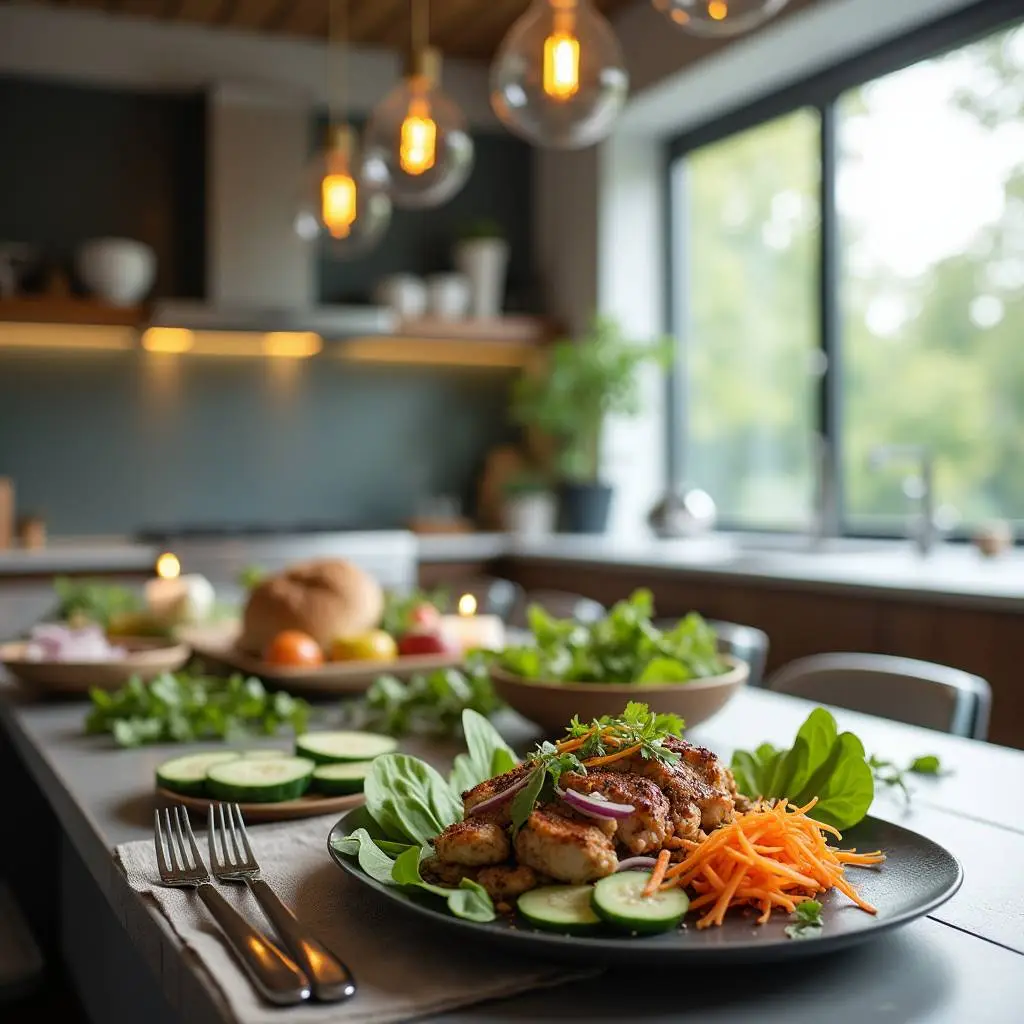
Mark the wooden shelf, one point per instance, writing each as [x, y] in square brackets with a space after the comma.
[533, 330]
[46, 309]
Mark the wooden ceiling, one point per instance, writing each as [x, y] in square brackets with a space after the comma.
[463, 28]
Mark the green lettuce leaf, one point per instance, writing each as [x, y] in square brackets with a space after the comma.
[409, 800]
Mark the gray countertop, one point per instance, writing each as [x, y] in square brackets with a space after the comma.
[952, 574]
[964, 960]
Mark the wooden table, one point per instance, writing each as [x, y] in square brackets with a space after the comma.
[964, 963]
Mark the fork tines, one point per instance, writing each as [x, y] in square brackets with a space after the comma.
[226, 820]
[175, 860]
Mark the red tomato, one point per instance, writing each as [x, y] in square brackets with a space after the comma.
[424, 616]
[293, 647]
[427, 642]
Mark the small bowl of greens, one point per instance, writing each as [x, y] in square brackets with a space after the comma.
[569, 668]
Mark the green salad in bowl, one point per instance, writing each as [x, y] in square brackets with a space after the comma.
[572, 668]
[623, 647]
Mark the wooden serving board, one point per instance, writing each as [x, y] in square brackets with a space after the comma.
[333, 678]
[308, 806]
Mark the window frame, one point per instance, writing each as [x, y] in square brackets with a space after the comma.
[820, 92]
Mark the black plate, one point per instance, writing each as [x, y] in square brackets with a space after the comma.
[917, 877]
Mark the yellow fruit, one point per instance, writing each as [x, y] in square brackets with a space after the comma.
[373, 646]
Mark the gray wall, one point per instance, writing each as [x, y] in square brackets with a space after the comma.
[110, 442]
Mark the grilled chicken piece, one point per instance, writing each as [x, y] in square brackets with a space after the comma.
[492, 787]
[566, 850]
[440, 872]
[648, 826]
[505, 882]
[472, 843]
[700, 789]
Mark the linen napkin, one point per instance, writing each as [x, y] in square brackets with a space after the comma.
[405, 967]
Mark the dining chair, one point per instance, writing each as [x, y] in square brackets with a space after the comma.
[559, 603]
[903, 689]
[747, 643]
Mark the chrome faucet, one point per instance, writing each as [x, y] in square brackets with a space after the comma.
[925, 529]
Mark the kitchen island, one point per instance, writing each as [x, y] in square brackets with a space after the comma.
[964, 962]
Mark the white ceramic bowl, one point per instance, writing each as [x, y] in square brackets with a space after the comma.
[404, 294]
[449, 296]
[118, 270]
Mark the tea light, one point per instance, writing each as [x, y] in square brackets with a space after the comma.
[470, 630]
[173, 597]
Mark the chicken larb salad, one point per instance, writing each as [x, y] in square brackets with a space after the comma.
[621, 823]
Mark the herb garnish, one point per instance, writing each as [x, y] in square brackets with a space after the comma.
[638, 730]
[807, 921]
[890, 774]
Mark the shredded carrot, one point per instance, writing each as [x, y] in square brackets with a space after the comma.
[567, 746]
[592, 762]
[770, 857]
[658, 874]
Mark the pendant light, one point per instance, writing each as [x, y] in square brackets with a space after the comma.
[340, 201]
[719, 17]
[559, 78]
[417, 141]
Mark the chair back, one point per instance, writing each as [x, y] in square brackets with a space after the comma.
[903, 689]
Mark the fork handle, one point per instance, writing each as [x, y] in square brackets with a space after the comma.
[331, 980]
[275, 976]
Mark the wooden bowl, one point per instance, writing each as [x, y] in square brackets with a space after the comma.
[552, 704]
[147, 658]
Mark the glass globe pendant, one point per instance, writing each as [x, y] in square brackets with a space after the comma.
[719, 17]
[559, 78]
[340, 203]
[417, 142]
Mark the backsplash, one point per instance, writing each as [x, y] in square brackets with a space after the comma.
[112, 442]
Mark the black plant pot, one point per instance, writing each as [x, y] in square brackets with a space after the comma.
[584, 508]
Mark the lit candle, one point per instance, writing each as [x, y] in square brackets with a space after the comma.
[470, 630]
[172, 597]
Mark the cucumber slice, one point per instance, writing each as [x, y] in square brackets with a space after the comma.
[260, 780]
[187, 775]
[341, 778]
[263, 755]
[332, 747]
[560, 908]
[619, 900]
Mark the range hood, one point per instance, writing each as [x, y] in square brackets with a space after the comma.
[260, 275]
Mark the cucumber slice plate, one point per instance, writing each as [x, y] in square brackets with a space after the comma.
[187, 775]
[619, 900]
[560, 908]
[342, 778]
[333, 747]
[260, 780]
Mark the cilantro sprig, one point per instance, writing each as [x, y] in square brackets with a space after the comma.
[888, 773]
[638, 729]
[807, 922]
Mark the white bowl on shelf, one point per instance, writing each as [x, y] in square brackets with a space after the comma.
[120, 271]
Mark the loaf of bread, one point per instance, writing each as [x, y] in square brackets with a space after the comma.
[326, 598]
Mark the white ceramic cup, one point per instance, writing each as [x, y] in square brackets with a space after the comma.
[448, 296]
[404, 294]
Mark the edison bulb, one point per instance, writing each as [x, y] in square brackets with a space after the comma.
[417, 142]
[719, 17]
[559, 77]
[341, 202]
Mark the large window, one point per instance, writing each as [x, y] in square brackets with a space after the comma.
[915, 291]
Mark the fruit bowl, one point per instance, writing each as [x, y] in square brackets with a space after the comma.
[551, 704]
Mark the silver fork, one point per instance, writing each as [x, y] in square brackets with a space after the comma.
[331, 980]
[276, 977]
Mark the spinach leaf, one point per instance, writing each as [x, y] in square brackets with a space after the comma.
[469, 901]
[409, 799]
[372, 858]
[524, 800]
[820, 764]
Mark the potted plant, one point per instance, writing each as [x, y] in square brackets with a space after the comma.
[584, 382]
[528, 506]
[481, 255]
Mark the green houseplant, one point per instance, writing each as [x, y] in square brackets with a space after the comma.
[584, 382]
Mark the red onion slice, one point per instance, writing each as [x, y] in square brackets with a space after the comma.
[593, 805]
[636, 862]
[499, 798]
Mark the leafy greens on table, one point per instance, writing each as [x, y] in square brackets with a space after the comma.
[623, 647]
[182, 707]
[410, 803]
[822, 763]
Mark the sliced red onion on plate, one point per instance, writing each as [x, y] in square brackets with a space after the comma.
[632, 863]
[499, 798]
[594, 805]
